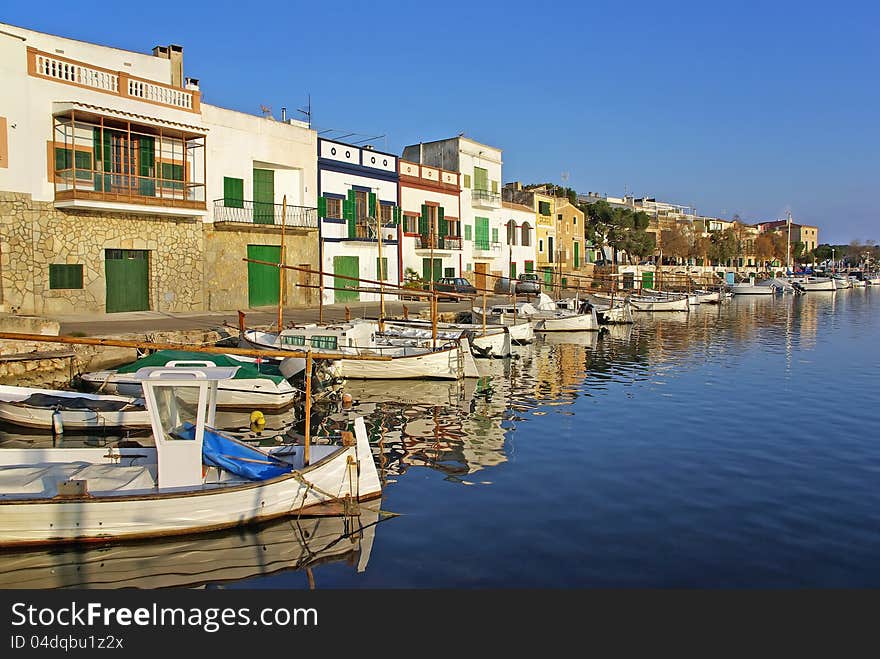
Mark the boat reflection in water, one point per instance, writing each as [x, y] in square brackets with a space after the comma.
[200, 561]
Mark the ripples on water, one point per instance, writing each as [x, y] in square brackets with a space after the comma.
[734, 446]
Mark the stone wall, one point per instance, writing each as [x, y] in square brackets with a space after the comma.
[35, 234]
[226, 274]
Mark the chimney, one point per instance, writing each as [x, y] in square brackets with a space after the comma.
[283, 114]
[174, 53]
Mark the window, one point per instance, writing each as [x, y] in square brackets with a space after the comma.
[334, 208]
[511, 233]
[360, 205]
[495, 187]
[574, 221]
[544, 208]
[541, 245]
[450, 272]
[526, 235]
[410, 223]
[233, 192]
[82, 162]
[467, 180]
[470, 267]
[550, 248]
[453, 228]
[63, 275]
[386, 213]
[530, 266]
[170, 173]
[558, 217]
[481, 178]
[467, 232]
[494, 234]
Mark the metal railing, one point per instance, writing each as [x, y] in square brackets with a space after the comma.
[447, 242]
[487, 246]
[257, 212]
[485, 197]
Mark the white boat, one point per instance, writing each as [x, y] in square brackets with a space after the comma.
[568, 321]
[51, 408]
[194, 479]
[616, 313]
[193, 562]
[669, 302]
[751, 288]
[513, 316]
[255, 386]
[873, 280]
[855, 282]
[415, 359]
[709, 297]
[813, 284]
[494, 341]
[841, 282]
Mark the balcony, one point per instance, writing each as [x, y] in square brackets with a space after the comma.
[102, 162]
[486, 249]
[444, 243]
[485, 198]
[237, 212]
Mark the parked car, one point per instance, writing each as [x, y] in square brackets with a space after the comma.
[528, 283]
[458, 285]
[505, 286]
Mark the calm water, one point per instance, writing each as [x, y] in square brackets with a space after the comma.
[735, 446]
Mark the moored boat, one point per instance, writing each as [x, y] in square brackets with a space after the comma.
[194, 479]
[667, 302]
[56, 409]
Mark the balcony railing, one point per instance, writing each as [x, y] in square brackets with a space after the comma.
[257, 212]
[492, 248]
[447, 242]
[485, 198]
[96, 185]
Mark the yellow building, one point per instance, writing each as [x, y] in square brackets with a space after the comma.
[569, 236]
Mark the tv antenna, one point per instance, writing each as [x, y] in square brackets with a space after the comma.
[308, 111]
[565, 176]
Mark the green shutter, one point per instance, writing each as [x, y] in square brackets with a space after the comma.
[423, 221]
[481, 178]
[530, 266]
[395, 214]
[382, 272]
[371, 200]
[426, 269]
[62, 275]
[62, 159]
[467, 232]
[322, 207]
[481, 233]
[494, 234]
[513, 270]
[233, 192]
[264, 196]
[495, 187]
[442, 224]
[101, 153]
[349, 212]
[577, 255]
[467, 180]
[146, 166]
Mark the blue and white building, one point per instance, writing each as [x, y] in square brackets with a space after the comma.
[357, 197]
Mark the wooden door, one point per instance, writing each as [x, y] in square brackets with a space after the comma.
[480, 270]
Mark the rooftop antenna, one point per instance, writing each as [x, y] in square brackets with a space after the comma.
[308, 111]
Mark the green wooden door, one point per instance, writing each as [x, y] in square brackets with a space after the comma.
[264, 196]
[127, 276]
[513, 270]
[347, 266]
[548, 276]
[481, 233]
[426, 269]
[264, 288]
[647, 280]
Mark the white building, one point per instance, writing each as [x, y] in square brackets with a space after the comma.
[431, 208]
[519, 238]
[481, 218]
[102, 177]
[357, 188]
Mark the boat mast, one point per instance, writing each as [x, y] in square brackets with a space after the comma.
[788, 246]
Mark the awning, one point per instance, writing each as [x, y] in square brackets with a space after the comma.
[62, 108]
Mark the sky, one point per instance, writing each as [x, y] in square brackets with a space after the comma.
[748, 108]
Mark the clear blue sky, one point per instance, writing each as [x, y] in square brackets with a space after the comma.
[748, 108]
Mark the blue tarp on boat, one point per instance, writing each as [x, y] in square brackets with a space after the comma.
[218, 450]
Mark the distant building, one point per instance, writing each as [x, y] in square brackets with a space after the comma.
[800, 233]
[519, 232]
[480, 201]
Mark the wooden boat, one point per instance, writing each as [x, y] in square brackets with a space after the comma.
[255, 386]
[568, 321]
[708, 297]
[750, 288]
[206, 559]
[873, 279]
[194, 479]
[414, 359]
[494, 341]
[813, 284]
[51, 408]
[693, 298]
[515, 317]
[665, 302]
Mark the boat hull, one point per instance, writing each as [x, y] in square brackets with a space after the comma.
[645, 304]
[12, 411]
[579, 322]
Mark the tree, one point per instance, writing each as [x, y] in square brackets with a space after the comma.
[780, 246]
[798, 254]
[722, 246]
[675, 242]
[600, 219]
[764, 248]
